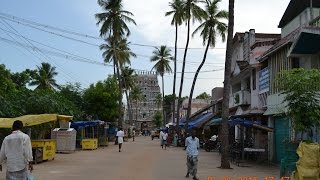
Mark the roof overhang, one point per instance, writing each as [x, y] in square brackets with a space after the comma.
[307, 42]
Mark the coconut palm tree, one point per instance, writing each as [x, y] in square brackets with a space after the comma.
[129, 83]
[211, 28]
[113, 20]
[178, 14]
[44, 77]
[162, 57]
[119, 53]
[196, 13]
[225, 164]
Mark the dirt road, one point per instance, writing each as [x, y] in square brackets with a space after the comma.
[140, 160]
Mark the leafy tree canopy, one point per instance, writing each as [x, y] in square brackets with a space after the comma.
[203, 95]
[157, 119]
[301, 90]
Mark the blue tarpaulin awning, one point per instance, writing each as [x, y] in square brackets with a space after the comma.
[196, 121]
[83, 124]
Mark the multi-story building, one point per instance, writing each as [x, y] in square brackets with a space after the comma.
[144, 110]
[299, 47]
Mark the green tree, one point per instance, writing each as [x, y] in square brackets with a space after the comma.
[195, 12]
[73, 92]
[113, 20]
[44, 77]
[162, 57]
[6, 83]
[128, 77]
[203, 95]
[100, 100]
[224, 133]
[22, 79]
[158, 100]
[301, 90]
[178, 13]
[210, 29]
[157, 119]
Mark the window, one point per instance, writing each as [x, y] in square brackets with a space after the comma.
[254, 78]
[144, 115]
[295, 63]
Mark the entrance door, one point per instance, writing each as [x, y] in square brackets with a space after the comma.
[281, 135]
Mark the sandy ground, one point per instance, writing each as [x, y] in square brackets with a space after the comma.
[141, 160]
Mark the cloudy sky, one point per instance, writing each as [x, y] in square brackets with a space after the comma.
[153, 28]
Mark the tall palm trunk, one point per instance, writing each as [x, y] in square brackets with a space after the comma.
[224, 134]
[128, 100]
[184, 60]
[136, 111]
[175, 76]
[120, 120]
[164, 117]
[195, 79]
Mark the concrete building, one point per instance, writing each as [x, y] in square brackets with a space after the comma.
[299, 47]
[144, 110]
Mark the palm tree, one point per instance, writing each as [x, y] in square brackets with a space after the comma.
[114, 27]
[44, 77]
[129, 83]
[210, 29]
[192, 11]
[158, 100]
[120, 53]
[162, 58]
[178, 13]
[225, 164]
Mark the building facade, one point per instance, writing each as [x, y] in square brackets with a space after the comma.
[144, 110]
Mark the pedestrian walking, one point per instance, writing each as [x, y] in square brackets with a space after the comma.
[16, 150]
[191, 146]
[164, 139]
[133, 134]
[161, 138]
[120, 135]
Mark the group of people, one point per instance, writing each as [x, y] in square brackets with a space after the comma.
[16, 150]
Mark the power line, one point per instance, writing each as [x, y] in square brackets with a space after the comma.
[65, 74]
[28, 22]
[78, 58]
[96, 45]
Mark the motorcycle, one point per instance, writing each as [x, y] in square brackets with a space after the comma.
[211, 145]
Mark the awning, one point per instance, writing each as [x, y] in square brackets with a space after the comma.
[83, 124]
[307, 42]
[239, 121]
[31, 120]
[199, 120]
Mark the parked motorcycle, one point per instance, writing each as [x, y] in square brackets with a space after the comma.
[212, 145]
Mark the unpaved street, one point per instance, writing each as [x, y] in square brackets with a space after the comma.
[140, 160]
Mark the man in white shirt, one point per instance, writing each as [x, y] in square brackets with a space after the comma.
[161, 138]
[164, 139]
[191, 146]
[16, 149]
[120, 135]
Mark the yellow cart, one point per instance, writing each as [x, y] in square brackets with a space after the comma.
[89, 144]
[45, 149]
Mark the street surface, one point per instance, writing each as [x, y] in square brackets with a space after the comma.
[141, 160]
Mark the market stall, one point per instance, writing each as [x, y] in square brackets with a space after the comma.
[90, 134]
[43, 147]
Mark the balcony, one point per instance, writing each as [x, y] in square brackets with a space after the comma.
[242, 97]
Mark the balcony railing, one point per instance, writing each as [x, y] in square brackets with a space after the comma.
[242, 97]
